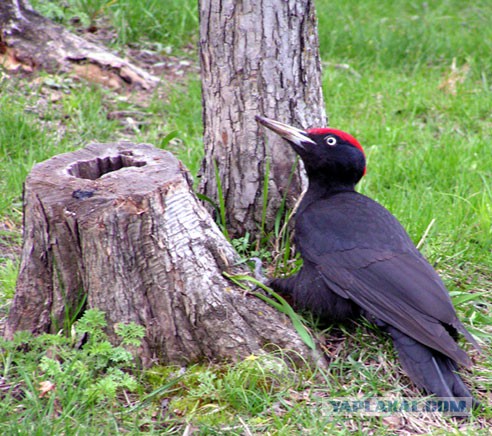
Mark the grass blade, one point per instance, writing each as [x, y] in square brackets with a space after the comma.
[278, 303]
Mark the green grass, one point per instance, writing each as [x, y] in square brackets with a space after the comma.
[169, 24]
[429, 162]
[408, 36]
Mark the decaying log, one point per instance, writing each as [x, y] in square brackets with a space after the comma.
[30, 41]
[118, 225]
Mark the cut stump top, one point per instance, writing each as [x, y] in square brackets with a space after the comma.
[95, 172]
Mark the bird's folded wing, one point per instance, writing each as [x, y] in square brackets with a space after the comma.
[401, 289]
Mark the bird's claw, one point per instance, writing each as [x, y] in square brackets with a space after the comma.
[258, 273]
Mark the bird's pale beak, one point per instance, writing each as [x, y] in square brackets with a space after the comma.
[296, 136]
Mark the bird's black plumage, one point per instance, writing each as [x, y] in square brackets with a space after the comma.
[358, 260]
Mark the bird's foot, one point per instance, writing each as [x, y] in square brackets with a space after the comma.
[258, 270]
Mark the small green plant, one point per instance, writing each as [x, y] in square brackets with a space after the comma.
[247, 248]
[93, 372]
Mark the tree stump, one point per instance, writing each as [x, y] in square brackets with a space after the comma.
[117, 226]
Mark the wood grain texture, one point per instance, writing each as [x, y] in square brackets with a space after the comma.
[257, 57]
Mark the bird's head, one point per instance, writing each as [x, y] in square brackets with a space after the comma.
[329, 154]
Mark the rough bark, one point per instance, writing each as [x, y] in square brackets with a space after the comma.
[257, 57]
[119, 225]
[30, 41]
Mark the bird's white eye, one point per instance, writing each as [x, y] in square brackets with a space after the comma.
[331, 141]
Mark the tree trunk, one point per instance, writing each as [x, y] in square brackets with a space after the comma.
[257, 57]
[30, 41]
[117, 226]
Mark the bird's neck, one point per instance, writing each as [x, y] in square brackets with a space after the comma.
[322, 189]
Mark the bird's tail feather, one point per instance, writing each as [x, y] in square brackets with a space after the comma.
[427, 368]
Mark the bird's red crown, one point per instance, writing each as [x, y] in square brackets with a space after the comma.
[340, 133]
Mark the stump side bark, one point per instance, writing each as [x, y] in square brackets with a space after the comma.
[118, 224]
